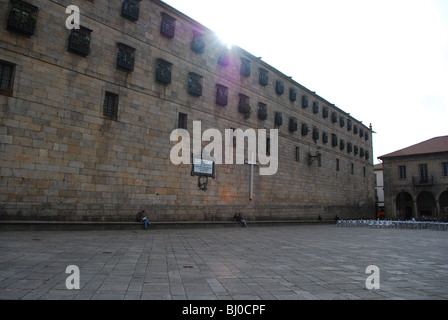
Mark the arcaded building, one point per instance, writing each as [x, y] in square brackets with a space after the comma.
[87, 116]
[416, 181]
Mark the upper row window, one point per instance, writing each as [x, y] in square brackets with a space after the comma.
[22, 17]
[168, 26]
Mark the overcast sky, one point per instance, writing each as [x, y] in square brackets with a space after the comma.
[383, 61]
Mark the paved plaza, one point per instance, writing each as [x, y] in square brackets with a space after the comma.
[317, 262]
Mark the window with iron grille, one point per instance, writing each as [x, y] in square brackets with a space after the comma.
[126, 57]
[279, 88]
[182, 121]
[222, 93]
[245, 67]
[334, 117]
[349, 147]
[224, 57]
[304, 102]
[264, 77]
[130, 9]
[22, 17]
[79, 41]
[315, 107]
[262, 111]
[110, 108]
[6, 77]
[167, 26]
[334, 140]
[195, 84]
[325, 137]
[244, 105]
[198, 43]
[163, 71]
[292, 95]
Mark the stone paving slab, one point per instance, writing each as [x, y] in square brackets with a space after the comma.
[300, 262]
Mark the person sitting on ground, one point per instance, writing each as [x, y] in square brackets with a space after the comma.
[142, 218]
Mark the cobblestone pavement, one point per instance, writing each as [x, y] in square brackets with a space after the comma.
[269, 263]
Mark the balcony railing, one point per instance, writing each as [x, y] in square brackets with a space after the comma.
[423, 181]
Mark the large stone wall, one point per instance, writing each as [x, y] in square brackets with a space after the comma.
[63, 159]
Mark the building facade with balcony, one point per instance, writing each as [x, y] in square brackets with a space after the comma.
[87, 116]
[416, 181]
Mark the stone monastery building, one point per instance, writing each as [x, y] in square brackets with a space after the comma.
[86, 118]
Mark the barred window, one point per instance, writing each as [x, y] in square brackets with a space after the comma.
[182, 121]
[163, 71]
[6, 77]
[168, 26]
[110, 107]
[222, 93]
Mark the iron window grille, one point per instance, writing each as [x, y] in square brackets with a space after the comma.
[110, 108]
[278, 120]
[349, 147]
[224, 58]
[195, 84]
[245, 67]
[315, 134]
[6, 77]
[130, 9]
[222, 93]
[325, 112]
[349, 125]
[79, 41]
[293, 124]
[264, 77]
[342, 144]
[305, 129]
[126, 57]
[198, 43]
[334, 117]
[334, 140]
[22, 17]
[262, 111]
[315, 107]
[182, 121]
[304, 102]
[167, 26]
[325, 137]
[243, 105]
[279, 87]
[163, 71]
[292, 95]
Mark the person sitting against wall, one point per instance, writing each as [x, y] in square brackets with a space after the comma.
[239, 218]
[142, 218]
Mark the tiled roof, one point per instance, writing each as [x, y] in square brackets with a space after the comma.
[434, 145]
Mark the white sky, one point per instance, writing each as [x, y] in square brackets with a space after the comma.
[383, 61]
